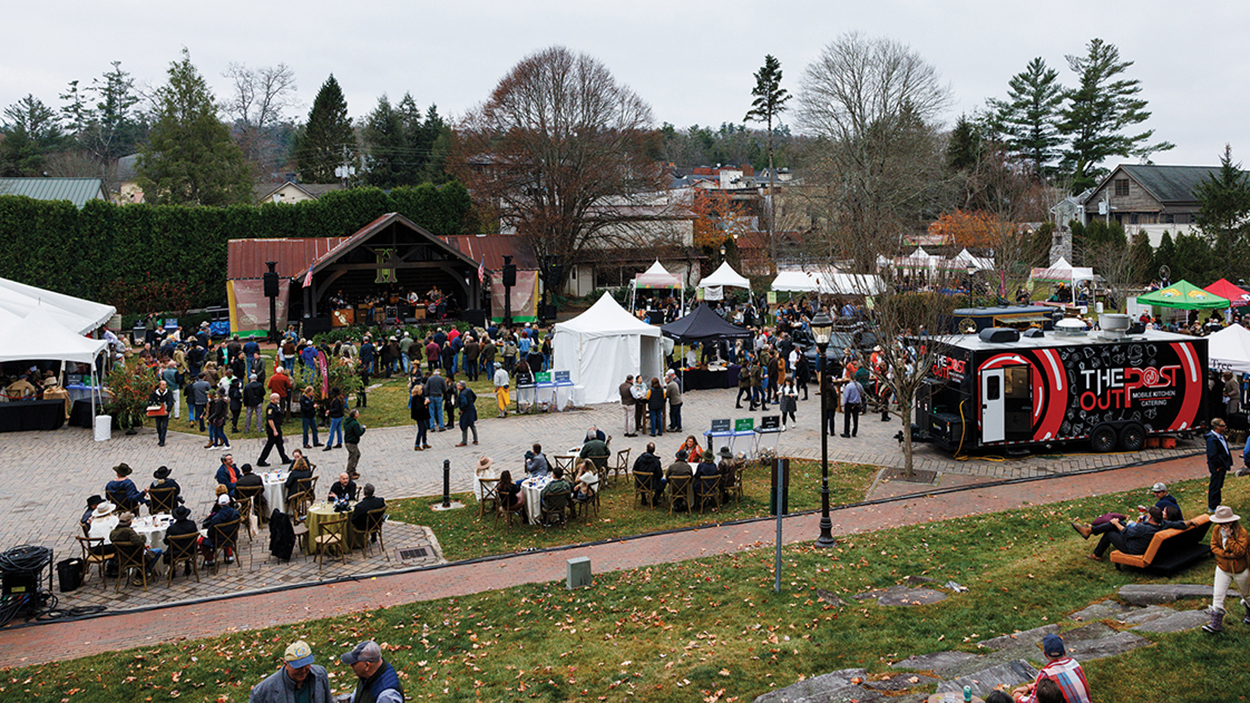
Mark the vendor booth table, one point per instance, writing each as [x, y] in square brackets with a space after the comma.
[30, 415]
[701, 379]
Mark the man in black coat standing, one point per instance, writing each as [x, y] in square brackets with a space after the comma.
[1219, 461]
[273, 431]
[253, 396]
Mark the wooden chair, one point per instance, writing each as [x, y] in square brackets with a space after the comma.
[734, 489]
[95, 551]
[297, 506]
[182, 550]
[118, 498]
[223, 535]
[644, 488]
[601, 463]
[490, 495]
[333, 536]
[245, 497]
[584, 505]
[162, 500]
[130, 556]
[679, 489]
[374, 519]
[564, 461]
[622, 464]
[307, 486]
[554, 507]
[707, 489]
[508, 512]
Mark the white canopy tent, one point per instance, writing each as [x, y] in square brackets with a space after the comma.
[602, 346]
[725, 276]
[39, 336]
[1063, 272]
[834, 283]
[77, 315]
[965, 259]
[1229, 350]
[656, 277]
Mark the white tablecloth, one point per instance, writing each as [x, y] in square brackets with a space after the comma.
[274, 481]
[153, 527]
[532, 489]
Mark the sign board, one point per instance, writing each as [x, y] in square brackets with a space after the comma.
[542, 377]
[563, 376]
[698, 294]
[746, 424]
[772, 297]
[770, 422]
[720, 425]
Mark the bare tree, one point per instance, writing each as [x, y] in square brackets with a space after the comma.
[872, 105]
[257, 104]
[563, 152]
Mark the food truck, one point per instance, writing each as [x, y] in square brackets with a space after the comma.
[1003, 389]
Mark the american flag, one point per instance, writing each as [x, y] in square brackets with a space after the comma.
[308, 277]
[481, 270]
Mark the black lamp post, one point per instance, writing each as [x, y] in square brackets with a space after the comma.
[822, 329]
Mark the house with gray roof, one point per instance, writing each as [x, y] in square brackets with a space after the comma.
[1149, 198]
[76, 190]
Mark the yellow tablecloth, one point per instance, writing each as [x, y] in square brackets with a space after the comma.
[320, 513]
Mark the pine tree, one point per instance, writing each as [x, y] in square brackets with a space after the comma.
[1029, 118]
[1165, 255]
[1097, 113]
[386, 147]
[327, 140]
[28, 135]
[966, 145]
[770, 102]
[190, 158]
[1143, 256]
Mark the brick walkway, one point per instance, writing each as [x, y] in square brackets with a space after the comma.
[56, 641]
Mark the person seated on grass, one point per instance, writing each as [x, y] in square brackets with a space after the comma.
[693, 451]
[587, 482]
[706, 474]
[535, 462]
[1061, 669]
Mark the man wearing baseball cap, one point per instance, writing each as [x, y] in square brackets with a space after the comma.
[298, 680]
[1164, 499]
[1061, 669]
[378, 681]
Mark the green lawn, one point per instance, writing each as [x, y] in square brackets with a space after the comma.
[464, 535]
[709, 629]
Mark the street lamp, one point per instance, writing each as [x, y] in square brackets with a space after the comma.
[722, 253]
[822, 330]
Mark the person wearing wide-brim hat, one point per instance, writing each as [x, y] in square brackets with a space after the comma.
[164, 481]
[92, 503]
[124, 488]
[1230, 544]
[182, 525]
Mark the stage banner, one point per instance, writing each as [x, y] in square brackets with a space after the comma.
[249, 308]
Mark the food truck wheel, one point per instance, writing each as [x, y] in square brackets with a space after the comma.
[1132, 438]
[1103, 439]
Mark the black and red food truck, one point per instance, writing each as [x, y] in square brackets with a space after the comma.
[999, 389]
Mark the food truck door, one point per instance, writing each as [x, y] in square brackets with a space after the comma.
[992, 406]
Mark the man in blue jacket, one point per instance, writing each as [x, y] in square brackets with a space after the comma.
[378, 682]
[1219, 461]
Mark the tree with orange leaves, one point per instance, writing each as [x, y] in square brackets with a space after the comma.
[717, 218]
[972, 229]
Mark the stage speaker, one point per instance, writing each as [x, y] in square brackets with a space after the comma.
[271, 285]
[509, 275]
[548, 312]
[474, 317]
[316, 325]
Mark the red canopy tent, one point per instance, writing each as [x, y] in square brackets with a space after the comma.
[1237, 296]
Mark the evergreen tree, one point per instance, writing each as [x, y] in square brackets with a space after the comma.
[1224, 200]
[770, 102]
[1029, 117]
[1143, 256]
[327, 140]
[966, 145]
[190, 158]
[433, 145]
[29, 133]
[1165, 255]
[1195, 260]
[386, 147]
[1098, 111]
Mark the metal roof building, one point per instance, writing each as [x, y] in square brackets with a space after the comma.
[76, 190]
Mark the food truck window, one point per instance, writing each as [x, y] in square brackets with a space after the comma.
[992, 390]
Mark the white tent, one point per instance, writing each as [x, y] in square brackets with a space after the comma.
[1229, 350]
[715, 284]
[602, 346]
[657, 277]
[39, 336]
[1063, 272]
[76, 314]
[833, 283]
[965, 259]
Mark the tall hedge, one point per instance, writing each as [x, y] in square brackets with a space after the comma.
[145, 258]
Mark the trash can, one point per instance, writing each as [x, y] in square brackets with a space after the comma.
[69, 574]
[103, 428]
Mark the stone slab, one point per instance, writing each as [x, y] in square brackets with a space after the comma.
[940, 663]
[830, 597]
[1176, 622]
[1139, 616]
[901, 682]
[983, 682]
[1098, 611]
[902, 596]
[1157, 594]
[833, 687]
[1028, 636]
[1096, 641]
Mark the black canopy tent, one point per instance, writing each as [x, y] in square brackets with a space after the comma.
[703, 325]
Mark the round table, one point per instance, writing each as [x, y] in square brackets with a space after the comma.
[532, 489]
[274, 480]
[152, 528]
[322, 512]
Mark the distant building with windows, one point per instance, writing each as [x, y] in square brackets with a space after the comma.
[76, 190]
[1148, 198]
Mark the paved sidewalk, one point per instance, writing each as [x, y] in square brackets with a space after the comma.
[66, 640]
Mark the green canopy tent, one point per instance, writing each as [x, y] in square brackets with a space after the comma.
[1183, 295]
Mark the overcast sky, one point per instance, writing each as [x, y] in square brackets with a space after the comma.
[691, 61]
